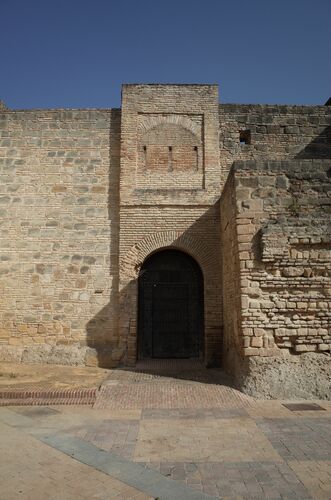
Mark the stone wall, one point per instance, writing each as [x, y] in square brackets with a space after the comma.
[276, 223]
[231, 244]
[87, 195]
[59, 254]
[260, 132]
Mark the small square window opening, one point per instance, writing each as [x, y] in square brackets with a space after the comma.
[245, 136]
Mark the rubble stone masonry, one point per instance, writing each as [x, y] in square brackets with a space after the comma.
[276, 236]
[87, 195]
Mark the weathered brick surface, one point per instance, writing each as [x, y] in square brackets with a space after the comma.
[281, 241]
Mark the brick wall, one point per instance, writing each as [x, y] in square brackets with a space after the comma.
[170, 148]
[192, 230]
[169, 190]
[161, 116]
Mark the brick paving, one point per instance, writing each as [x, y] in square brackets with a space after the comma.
[168, 396]
[173, 438]
[169, 388]
[169, 372]
[48, 396]
[316, 477]
[304, 439]
[250, 480]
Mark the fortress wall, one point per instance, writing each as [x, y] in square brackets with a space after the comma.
[58, 263]
[282, 241]
[274, 132]
[231, 291]
[87, 195]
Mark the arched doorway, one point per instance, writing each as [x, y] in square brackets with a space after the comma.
[170, 306]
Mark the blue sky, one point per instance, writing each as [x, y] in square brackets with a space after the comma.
[77, 53]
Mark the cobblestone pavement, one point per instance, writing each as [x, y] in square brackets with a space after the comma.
[170, 437]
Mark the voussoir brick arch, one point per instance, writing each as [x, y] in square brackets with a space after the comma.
[154, 121]
[190, 244]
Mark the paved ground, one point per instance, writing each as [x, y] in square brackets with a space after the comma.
[22, 376]
[167, 435]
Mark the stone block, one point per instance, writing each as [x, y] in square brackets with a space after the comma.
[245, 229]
[256, 342]
[291, 271]
[304, 348]
[324, 347]
[243, 194]
[259, 332]
[251, 351]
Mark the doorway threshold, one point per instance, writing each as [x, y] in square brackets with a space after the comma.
[176, 365]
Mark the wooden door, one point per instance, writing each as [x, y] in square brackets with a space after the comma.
[170, 316]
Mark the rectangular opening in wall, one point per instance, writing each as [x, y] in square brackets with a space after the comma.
[245, 137]
[170, 159]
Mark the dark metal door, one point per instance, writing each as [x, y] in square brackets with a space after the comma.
[170, 319]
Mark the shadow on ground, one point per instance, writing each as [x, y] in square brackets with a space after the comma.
[186, 370]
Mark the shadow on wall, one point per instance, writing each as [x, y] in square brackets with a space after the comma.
[200, 241]
[319, 148]
[194, 238]
[101, 330]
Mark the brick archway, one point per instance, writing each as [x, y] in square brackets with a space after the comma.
[130, 266]
[193, 246]
[170, 306]
[151, 122]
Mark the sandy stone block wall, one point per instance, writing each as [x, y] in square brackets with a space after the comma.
[231, 243]
[58, 263]
[260, 132]
[281, 244]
